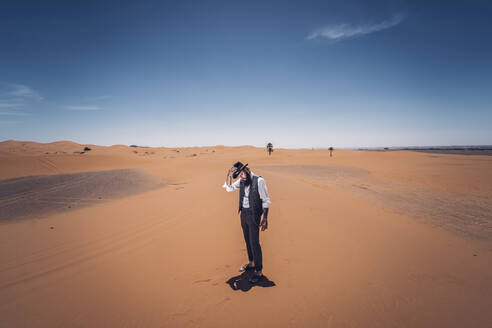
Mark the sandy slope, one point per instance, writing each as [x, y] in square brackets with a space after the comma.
[39, 196]
[338, 255]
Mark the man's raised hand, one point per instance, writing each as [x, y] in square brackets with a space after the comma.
[229, 176]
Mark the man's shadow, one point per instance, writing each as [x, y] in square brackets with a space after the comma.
[241, 282]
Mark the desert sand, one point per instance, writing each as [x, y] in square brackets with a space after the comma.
[147, 237]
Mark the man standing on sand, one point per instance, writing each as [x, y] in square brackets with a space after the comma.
[253, 202]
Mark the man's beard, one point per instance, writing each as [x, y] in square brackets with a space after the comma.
[247, 182]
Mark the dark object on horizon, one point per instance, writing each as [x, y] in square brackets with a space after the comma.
[87, 149]
[386, 148]
[331, 151]
[269, 147]
[137, 146]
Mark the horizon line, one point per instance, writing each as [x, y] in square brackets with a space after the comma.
[279, 147]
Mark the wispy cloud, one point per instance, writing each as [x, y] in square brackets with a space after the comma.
[10, 105]
[103, 97]
[14, 98]
[344, 31]
[24, 92]
[81, 108]
[16, 113]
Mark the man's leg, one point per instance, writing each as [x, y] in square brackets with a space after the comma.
[254, 240]
[247, 239]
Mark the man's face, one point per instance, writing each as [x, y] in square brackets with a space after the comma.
[244, 175]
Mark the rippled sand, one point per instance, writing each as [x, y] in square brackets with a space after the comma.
[38, 196]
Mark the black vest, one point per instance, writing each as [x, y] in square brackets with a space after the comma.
[255, 202]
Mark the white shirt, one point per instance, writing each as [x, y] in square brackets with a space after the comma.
[262, 190]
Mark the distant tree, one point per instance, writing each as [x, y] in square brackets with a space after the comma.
[331, 151]
[87, 149]
[269, 147]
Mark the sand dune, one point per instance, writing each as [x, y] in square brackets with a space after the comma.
[362, 239]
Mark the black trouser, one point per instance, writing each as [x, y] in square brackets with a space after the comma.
[251, 230]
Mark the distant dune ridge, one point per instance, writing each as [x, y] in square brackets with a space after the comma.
[456, 150]
[133, 236]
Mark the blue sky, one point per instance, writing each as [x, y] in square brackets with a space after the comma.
[294, 73]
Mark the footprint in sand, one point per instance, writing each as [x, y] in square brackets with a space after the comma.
[227, 299]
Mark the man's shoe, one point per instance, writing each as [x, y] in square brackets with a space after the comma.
[246, 267]
[255, 278]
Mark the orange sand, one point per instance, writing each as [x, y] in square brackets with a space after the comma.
[346, 245]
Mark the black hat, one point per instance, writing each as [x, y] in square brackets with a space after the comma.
[239, 167]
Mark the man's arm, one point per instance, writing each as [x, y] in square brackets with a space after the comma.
[229, 185]
[229, 177]
[263, 191]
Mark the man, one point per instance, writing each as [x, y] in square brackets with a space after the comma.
[253, 202]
